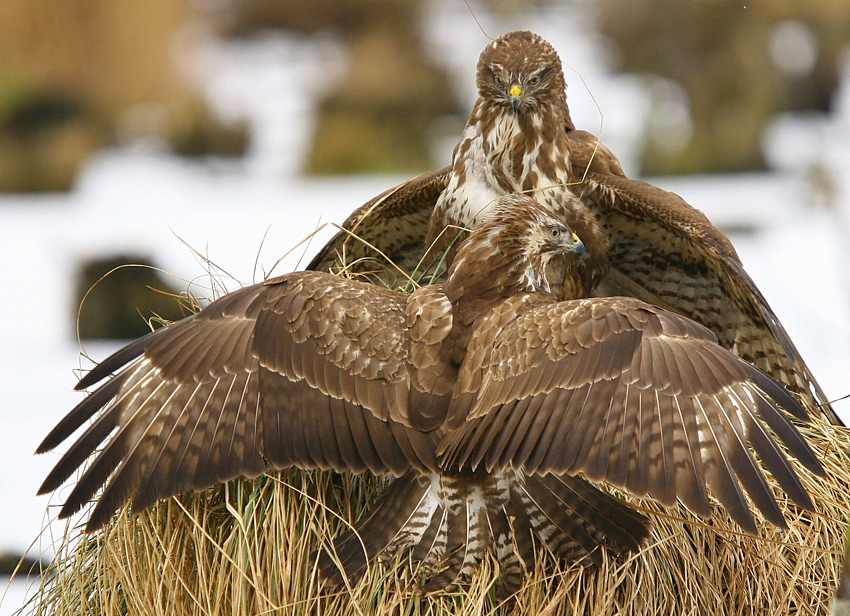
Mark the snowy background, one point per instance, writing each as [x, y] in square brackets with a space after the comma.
[245, 214]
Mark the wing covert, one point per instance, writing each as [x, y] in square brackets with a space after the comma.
[663, 251]
[395, 223]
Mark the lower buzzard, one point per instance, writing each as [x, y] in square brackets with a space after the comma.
[492, 401]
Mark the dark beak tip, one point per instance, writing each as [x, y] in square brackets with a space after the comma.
[516, 101]
[580, 250]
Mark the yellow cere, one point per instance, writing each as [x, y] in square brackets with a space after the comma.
[516, 91]
[575, 239]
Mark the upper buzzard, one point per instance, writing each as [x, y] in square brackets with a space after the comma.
[642, 241]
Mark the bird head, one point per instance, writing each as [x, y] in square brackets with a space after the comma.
[513, 243]
[541, 234]
[521, 71]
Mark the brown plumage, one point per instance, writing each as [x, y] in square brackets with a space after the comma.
[642, 241]
[486, 396]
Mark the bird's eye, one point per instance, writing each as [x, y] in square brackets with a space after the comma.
[499, 80]
[556, 232]
[534, 81]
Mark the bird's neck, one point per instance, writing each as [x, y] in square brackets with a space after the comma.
[501, 153]
[485, 273]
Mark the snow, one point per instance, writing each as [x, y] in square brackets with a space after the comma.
[243, 215]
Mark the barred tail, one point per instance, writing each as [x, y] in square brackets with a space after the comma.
[451, 521]
[397, 520]
[574, 519]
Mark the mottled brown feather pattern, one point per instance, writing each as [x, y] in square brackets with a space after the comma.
[620, 391]
[486, 395]
[306, 369]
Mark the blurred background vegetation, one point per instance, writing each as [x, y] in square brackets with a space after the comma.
[72, 74]
[78, 75]
[732, 64]
[377, 118]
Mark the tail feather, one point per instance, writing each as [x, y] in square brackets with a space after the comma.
[512, 566]
[467, 533]
[429, 552]
[451, 522]
[402, 509]
[458, 539]
[593, 518]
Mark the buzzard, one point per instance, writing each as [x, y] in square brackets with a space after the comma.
[492, 402]
[642, 241]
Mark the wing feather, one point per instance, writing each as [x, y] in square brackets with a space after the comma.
[776, 462]
[496, 438]
[690, 470]
[648, 402]
[669, 254]
[307, 369]
[719, 475]
[572, 403]
[742, 461]
[395, 222]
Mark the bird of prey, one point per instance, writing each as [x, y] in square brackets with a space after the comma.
[493, 402]
[642, 241]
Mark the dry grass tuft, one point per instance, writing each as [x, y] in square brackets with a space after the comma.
[249, 547]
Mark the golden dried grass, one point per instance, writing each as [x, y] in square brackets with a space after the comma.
[250, 548]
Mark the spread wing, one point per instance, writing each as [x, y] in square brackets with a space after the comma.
[667, 253]
[663, 251]
[307, 369]
[395, 223]
[627, 393]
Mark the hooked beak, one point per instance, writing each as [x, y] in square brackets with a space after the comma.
[577, 246]
[516, 95]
